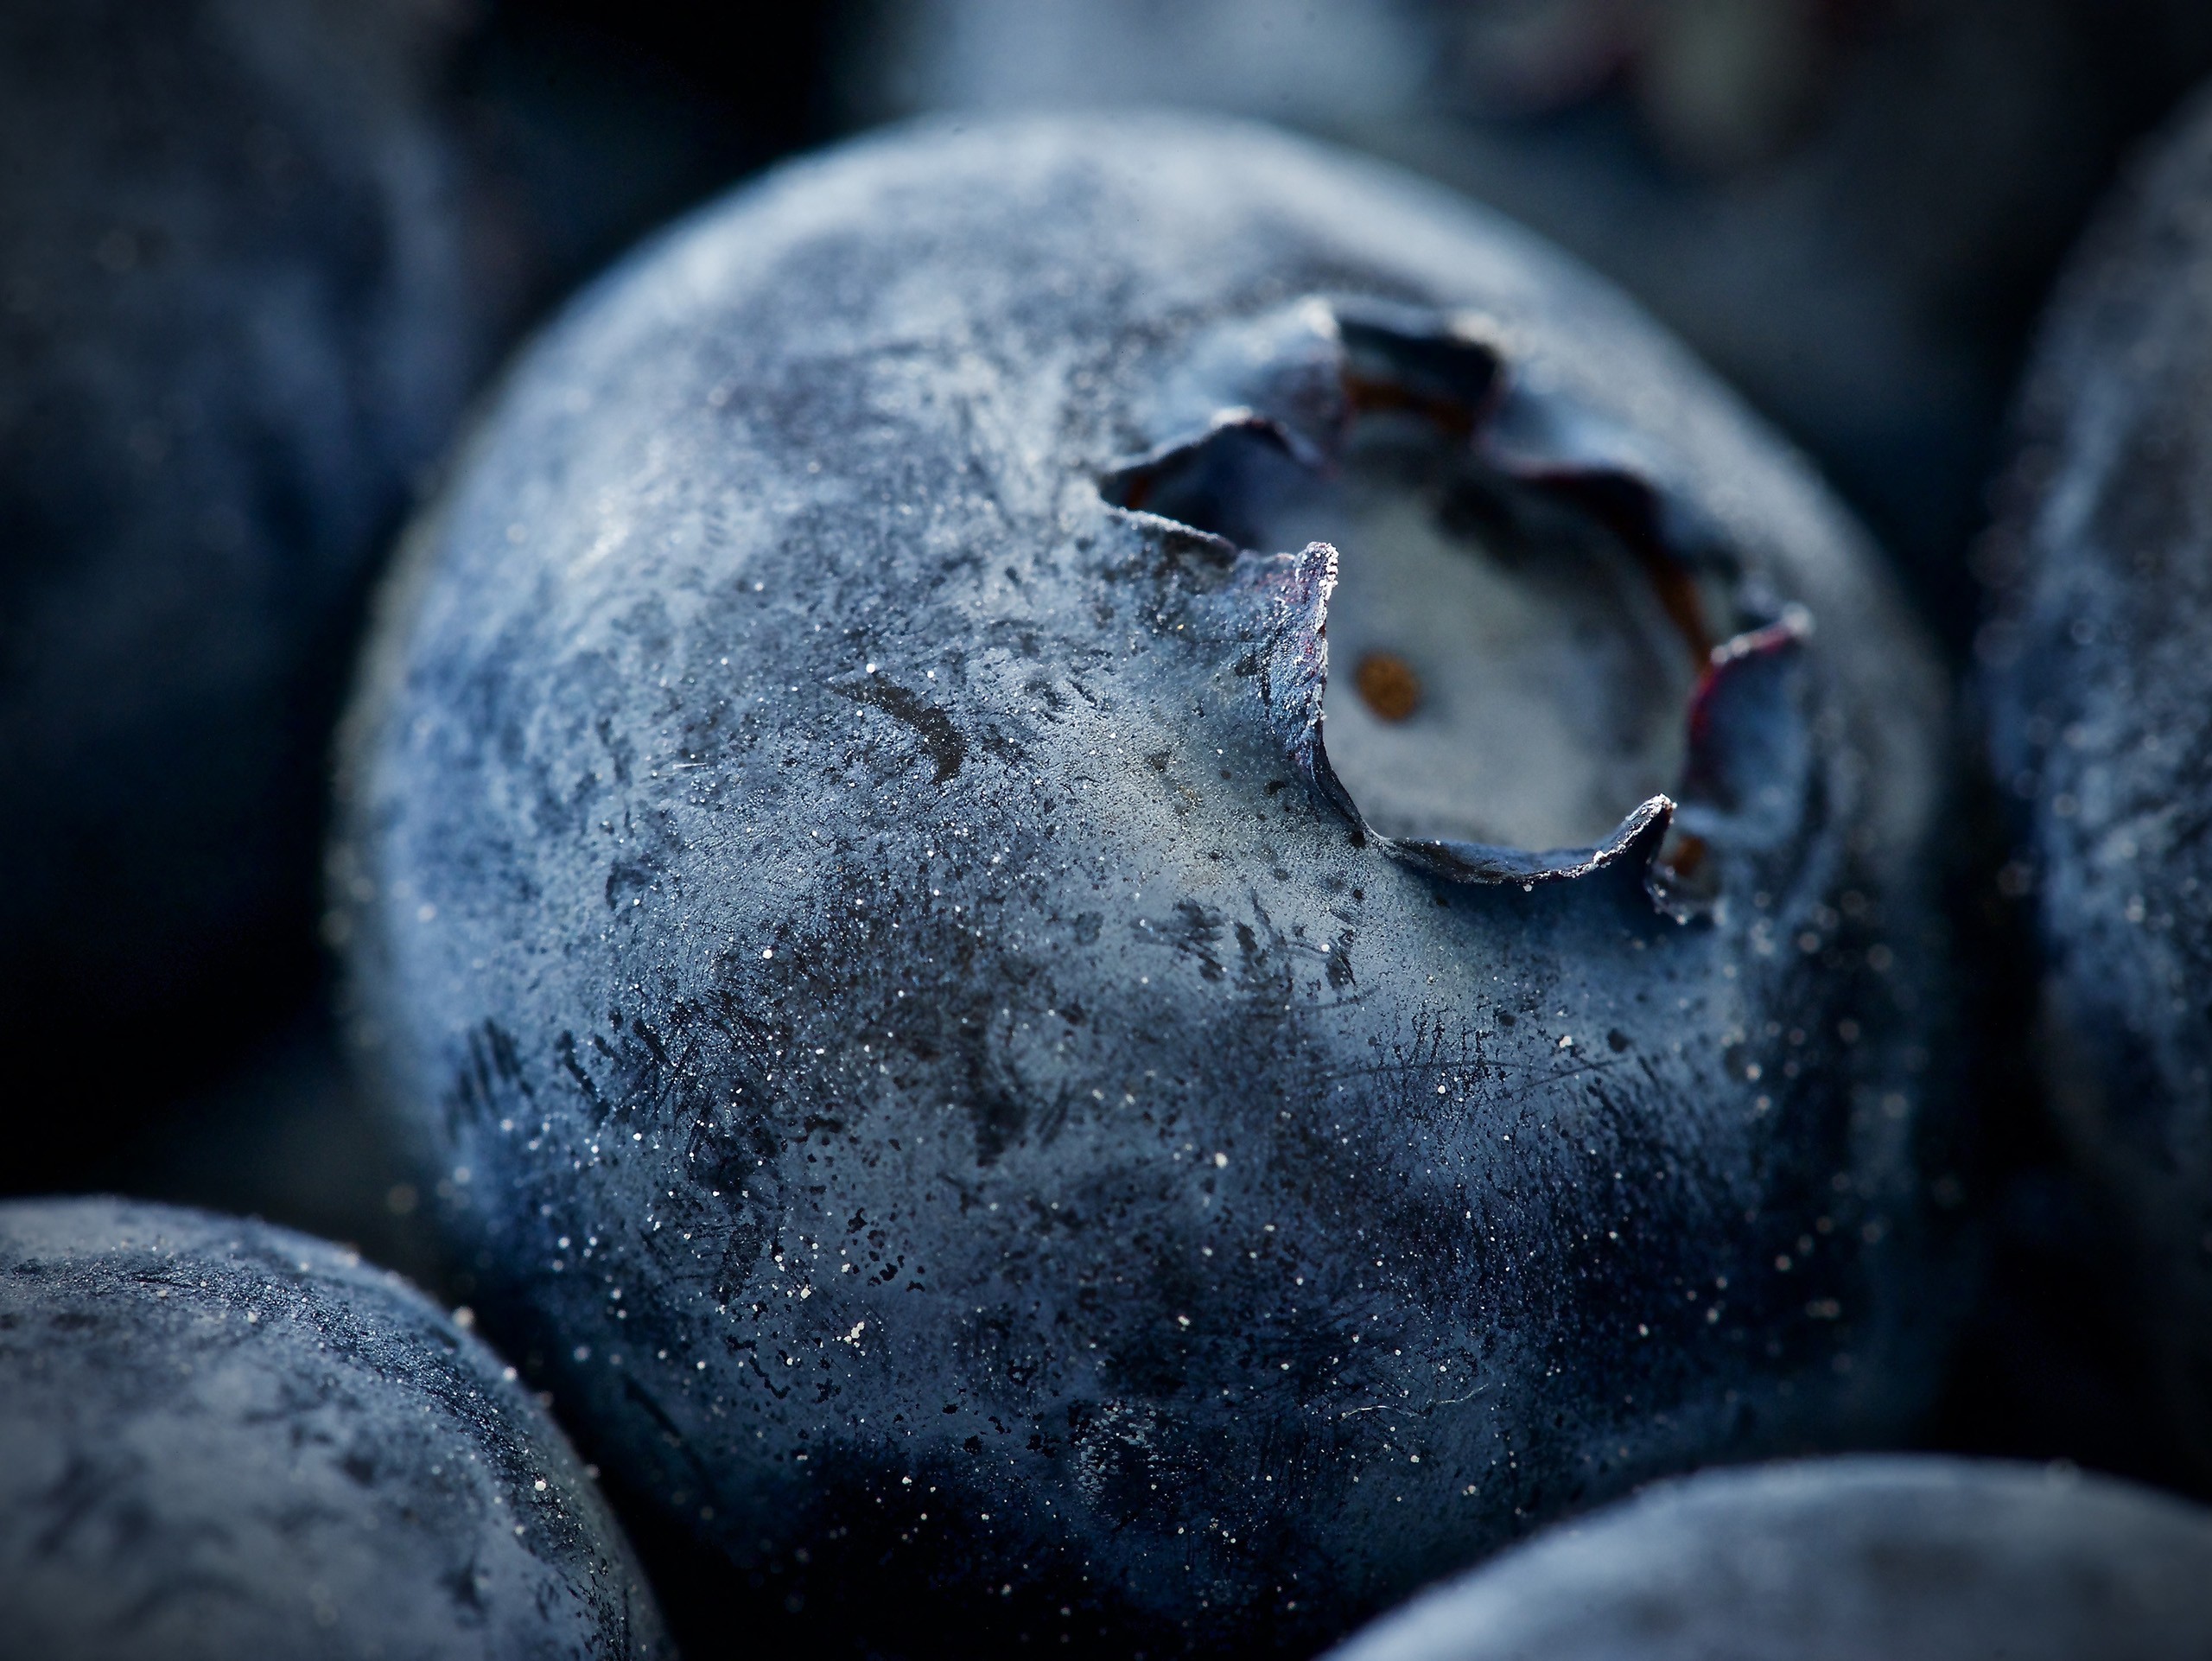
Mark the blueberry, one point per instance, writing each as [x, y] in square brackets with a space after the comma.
[237, 321]
[2097, 678]
[220, 1438]
[957, 1083]
[1867, 1559]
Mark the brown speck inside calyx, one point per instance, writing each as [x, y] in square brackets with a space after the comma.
[1522, 642]
[1388, 685]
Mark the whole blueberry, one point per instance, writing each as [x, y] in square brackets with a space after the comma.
[1868, 1559]
[237, 321]
[2097, 676]
[958, 1084]
[219, 1438]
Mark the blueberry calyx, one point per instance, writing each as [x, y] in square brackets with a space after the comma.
[1293, 591]
[1284, 394]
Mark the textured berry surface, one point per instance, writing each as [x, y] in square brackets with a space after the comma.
[222, 1439]
[922, 1047]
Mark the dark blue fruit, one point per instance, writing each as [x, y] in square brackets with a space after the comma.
[2099, 672]
[1866, 1559]
[236, 319]
[960, 1087]
[222, 1439]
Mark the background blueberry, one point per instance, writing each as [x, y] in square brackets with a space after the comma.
[222, 1439]
[914, 1033]
[1837, 1560]
[238, 318]
[2096, 679]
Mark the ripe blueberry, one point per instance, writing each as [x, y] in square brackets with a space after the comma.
[219, 1438]
[965, 1089]
[1847, 215]
[236, 321]
[1864, 1559]
[2097, 679]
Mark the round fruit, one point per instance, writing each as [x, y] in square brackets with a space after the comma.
[235, 323]
[2098, 677]
[1868, 1559]
[927, 1045]
[219, 1438]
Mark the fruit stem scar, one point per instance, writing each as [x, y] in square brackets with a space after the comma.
[1505, 468]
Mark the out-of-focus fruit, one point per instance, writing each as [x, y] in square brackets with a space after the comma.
[1868, 1559]
[237, 322]
[221, 1439]
[2098, 673]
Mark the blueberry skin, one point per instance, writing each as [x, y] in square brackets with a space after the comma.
[919, 1043]
[2096, 678]
[238, 321]
[220, 1438]
[1865, 1559]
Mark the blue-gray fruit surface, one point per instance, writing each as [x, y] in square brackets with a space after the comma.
[236, 319]
[1867, 1559]
[2098, 670]
[935, 1058]
[221, 1439]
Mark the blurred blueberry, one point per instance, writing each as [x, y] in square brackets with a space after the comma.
[2096, 676]
[237, 323]
[1866, 1559]
[221, 1439]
